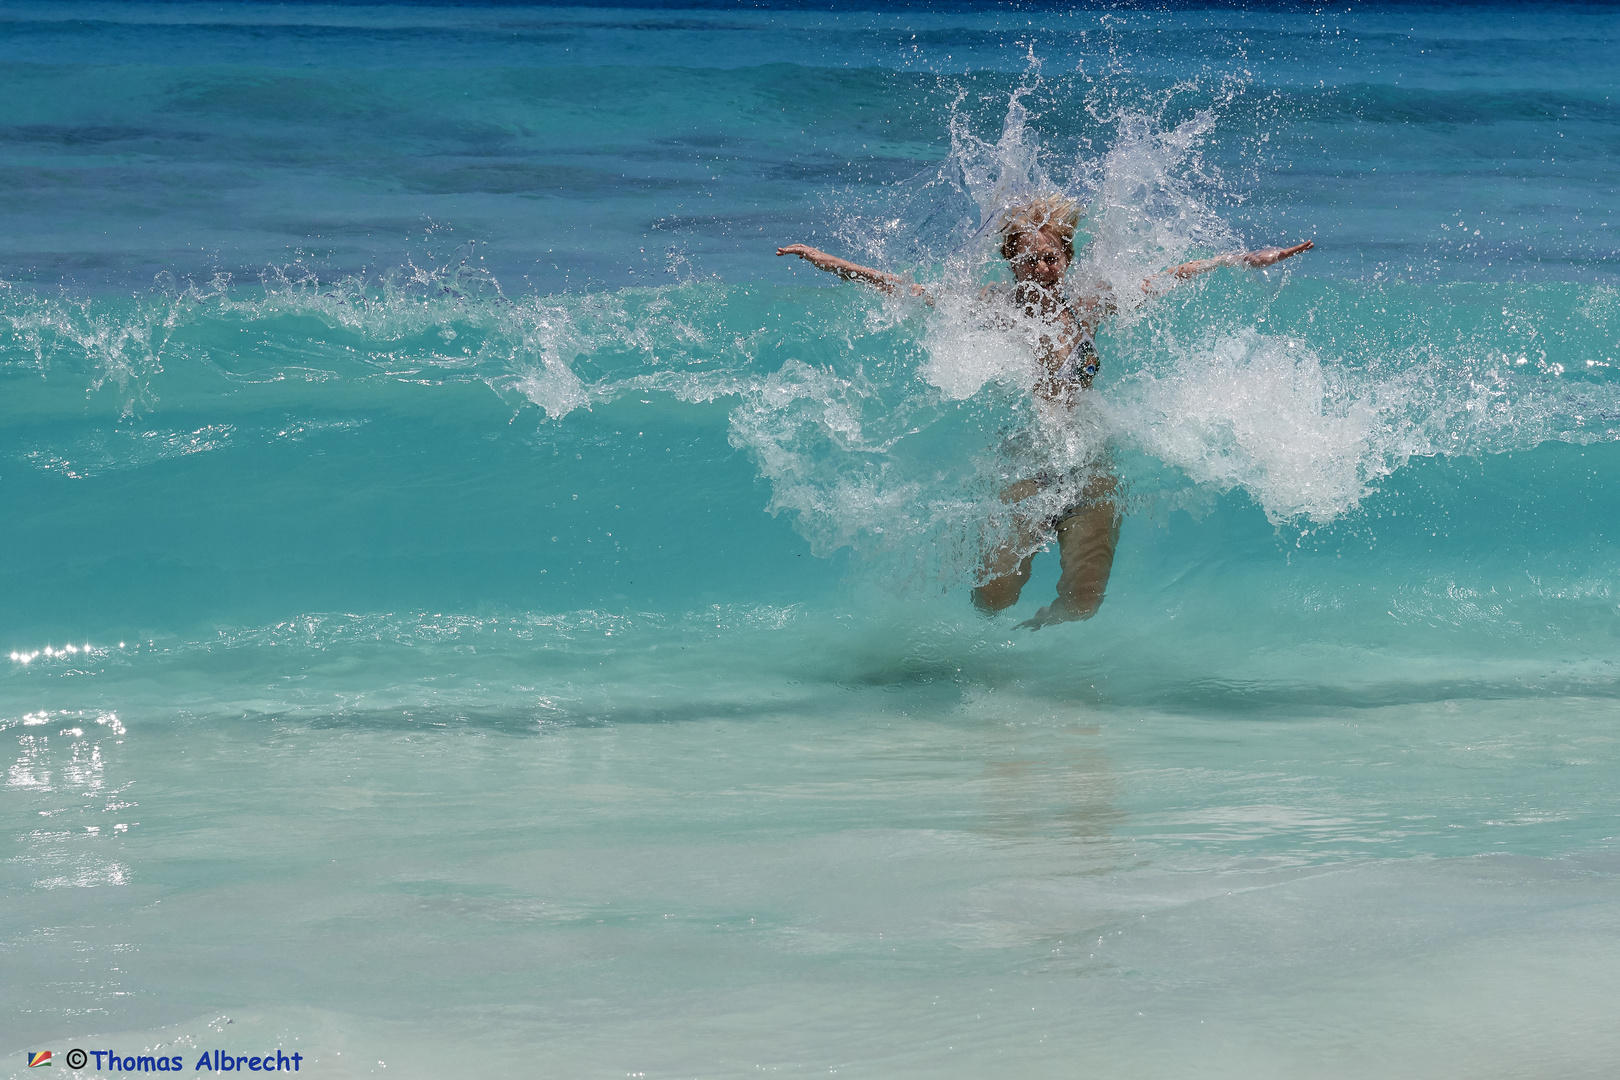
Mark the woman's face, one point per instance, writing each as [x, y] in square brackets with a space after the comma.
[1039, 257]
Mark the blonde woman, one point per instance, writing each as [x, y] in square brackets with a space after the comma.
[1037, 240]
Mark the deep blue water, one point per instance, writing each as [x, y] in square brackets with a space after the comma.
[473, 608]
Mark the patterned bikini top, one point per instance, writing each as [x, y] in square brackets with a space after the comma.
[1083, 362]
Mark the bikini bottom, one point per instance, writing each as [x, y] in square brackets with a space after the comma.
[1093, 485]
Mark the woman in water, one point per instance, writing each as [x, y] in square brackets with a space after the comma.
[1037, 240]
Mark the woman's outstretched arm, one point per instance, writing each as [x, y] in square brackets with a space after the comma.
[1253, 259]
[847, 270]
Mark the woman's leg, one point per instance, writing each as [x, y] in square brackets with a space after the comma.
[1087, 539]
[1006, 568]
[1008, 575]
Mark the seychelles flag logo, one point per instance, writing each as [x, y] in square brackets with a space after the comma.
[38, 1058]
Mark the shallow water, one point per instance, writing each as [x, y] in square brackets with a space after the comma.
[472, 608]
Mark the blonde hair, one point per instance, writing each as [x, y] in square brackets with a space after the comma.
[1053, 213]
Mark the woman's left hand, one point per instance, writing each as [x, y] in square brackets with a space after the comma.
[1269, 256]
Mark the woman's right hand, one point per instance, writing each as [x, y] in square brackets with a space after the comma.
[809, 254]
[849, 271]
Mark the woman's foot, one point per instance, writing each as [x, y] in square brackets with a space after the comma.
[1057, 612]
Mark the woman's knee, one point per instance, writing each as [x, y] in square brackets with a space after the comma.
[1003, 591]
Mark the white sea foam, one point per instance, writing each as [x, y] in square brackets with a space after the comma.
[887, 424]
[1258, 413]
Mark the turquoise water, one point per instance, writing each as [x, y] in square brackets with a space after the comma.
[473, 610]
